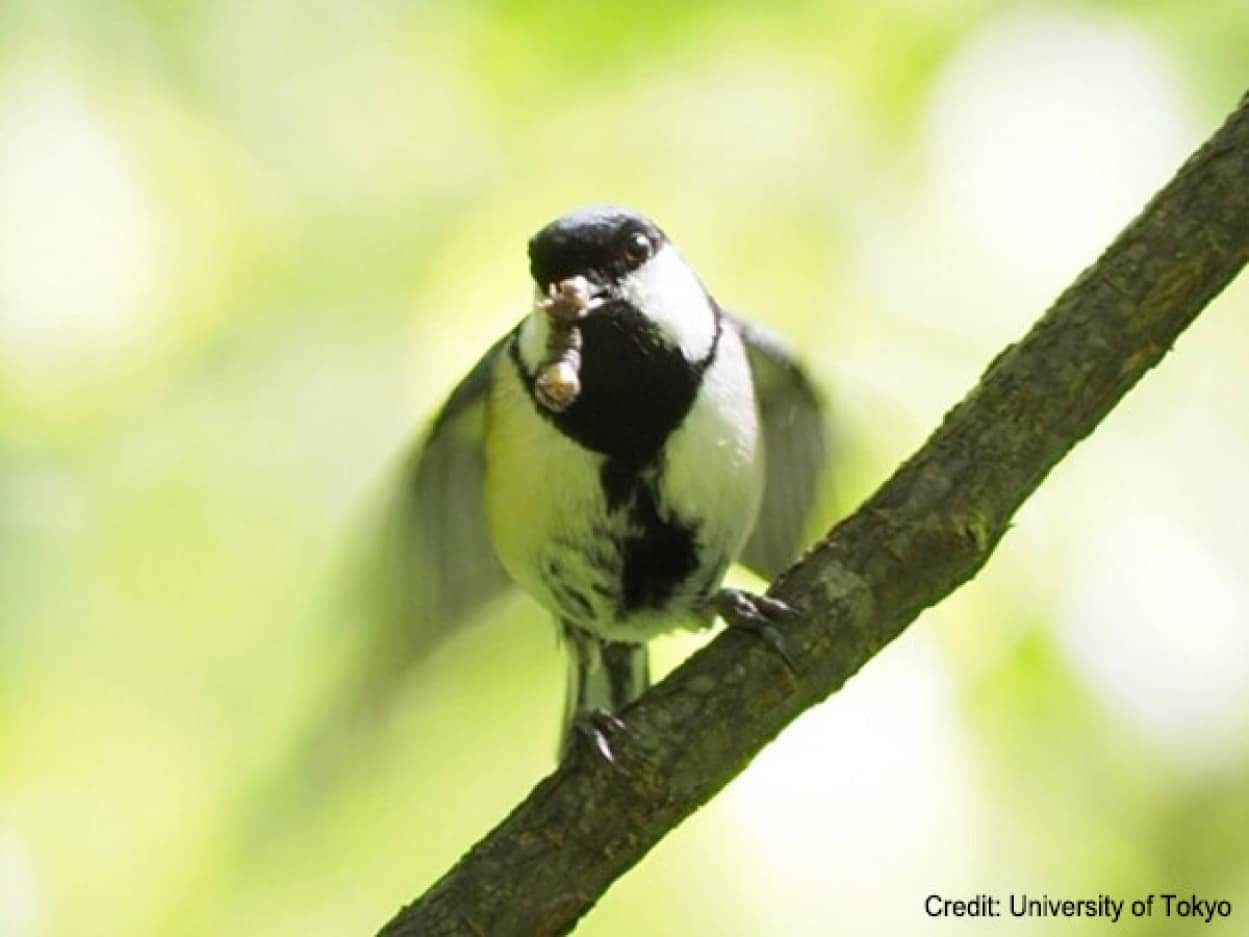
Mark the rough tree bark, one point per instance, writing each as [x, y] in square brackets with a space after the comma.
[928, 529]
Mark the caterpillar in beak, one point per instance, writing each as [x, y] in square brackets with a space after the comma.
[558, 381]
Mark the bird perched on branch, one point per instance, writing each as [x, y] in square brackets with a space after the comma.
[612, 455]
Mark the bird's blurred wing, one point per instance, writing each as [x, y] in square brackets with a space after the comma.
[430, 566]
[795, 438]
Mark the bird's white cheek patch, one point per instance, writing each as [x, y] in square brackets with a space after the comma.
[666, 290]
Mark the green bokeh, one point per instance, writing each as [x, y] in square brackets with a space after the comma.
[246, 248]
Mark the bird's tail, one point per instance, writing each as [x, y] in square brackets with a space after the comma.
[603, 676]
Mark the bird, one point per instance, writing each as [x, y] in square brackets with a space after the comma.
[611, 455]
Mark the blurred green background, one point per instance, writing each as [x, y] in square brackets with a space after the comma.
[246, 248]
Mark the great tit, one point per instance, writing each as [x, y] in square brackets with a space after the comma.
[612, 455]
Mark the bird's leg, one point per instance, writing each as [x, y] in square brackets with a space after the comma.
[603, 677]
[761, 615]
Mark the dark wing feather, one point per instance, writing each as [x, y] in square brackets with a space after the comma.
[431, 566]
[795, 440]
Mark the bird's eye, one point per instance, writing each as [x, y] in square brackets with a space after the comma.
[639, 247]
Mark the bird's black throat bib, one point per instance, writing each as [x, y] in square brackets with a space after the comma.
[635, 387]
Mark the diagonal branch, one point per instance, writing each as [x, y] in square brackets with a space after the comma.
[928, 529]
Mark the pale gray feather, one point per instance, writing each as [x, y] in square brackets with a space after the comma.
[795, 438]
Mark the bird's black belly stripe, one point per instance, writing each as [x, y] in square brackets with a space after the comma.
[656, 559]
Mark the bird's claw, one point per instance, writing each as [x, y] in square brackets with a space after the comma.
[758, 614]
[596, 726]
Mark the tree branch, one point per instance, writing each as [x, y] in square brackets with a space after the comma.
[928, 529]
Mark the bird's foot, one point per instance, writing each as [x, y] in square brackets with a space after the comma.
[761, 615]
[595, 727]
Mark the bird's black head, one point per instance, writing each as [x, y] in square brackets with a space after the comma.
[602, 243]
